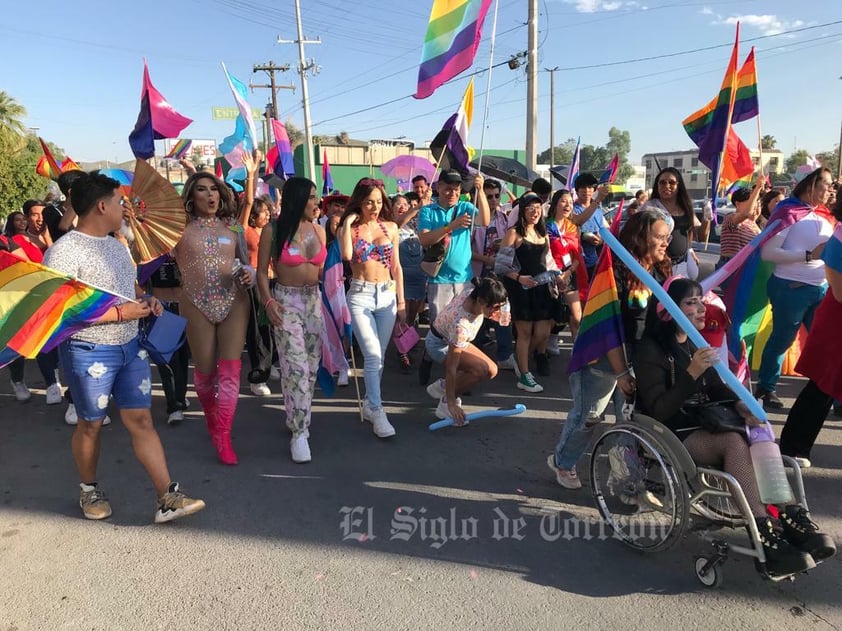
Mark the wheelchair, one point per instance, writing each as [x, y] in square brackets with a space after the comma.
[651, 494]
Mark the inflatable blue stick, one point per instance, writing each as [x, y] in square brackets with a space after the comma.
[473, 416]
[682, 321]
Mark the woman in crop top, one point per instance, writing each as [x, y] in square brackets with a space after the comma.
[294, 246]
[370, 241]
[215, 301]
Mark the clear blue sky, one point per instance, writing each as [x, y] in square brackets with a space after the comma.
[77, 69]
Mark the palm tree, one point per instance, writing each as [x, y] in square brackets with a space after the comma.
[768, 142]
[11, 114]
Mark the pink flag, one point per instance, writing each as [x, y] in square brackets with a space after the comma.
[157, 120]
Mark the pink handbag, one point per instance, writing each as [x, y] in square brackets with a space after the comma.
[405, 337]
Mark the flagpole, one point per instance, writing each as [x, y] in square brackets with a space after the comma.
[488, 86]
[759, 137]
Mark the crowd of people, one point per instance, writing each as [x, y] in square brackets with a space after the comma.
[247, 271]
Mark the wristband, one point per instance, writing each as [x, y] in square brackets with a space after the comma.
[268, 301]
[119, 311]
[627, 371]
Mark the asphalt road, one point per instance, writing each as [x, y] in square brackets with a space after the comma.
[453, 529]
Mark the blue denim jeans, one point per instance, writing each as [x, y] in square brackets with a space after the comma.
[792, 303]
[373, 308]
[592, 388]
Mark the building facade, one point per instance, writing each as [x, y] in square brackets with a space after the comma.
[696, 175]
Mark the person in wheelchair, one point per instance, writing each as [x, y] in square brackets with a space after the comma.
[672, 376]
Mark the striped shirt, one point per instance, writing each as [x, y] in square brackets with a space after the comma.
[735, 236]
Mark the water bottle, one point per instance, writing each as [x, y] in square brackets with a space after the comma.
[505, 318]
[544, 278]
[768, 466]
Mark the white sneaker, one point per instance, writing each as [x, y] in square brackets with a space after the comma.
[508, 364]
[342, 379]
[54, 394]
[442, 410]
[552, 345]
[22, 393]
[380, 422]
[299, 449]
[70, 416]
[175, 417]
[275, 373]
[106, 420]
[260, 389]
[436, 389]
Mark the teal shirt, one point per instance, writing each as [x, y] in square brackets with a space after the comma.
[457, 264]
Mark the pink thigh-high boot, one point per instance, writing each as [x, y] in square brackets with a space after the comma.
[205, 385]
[229, 392]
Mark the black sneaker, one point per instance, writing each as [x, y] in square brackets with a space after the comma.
[782, 559]
[803, 533]
[424, 370]
[542, 364]
[770, 399]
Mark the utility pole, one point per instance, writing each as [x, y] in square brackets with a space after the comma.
[532, 87]
[552, 72]
[270, 69]
[305, 65]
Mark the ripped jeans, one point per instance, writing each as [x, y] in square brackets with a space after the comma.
[96, 372]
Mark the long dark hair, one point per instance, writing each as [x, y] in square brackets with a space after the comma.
[363, 189]
[764, 202]
[10, 223]
[294, 198]
[520, 225]
[554, 202]
[682, 197]
[663, 330]
[635, 238]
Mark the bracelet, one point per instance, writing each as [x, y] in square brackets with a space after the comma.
[627, 371]
[448, 229]
[119, 311]
[269, 301]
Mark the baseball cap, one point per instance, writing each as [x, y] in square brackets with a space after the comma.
[451, 176]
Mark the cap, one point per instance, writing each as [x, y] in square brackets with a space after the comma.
[529, 198]
[451, 176]
[336, 196]
[585, 179]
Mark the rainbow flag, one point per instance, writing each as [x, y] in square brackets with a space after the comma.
[180, 149]
[708, 127]
[41, 307]
[745, 296]
[602, 324]
[746, 105]
[157, 120]
[451, 43]
[51, 168]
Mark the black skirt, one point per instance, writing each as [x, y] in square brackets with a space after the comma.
[532, 305]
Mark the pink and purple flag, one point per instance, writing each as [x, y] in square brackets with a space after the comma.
[157, 120]
[327, 178]
[279, 158]
[451, 42]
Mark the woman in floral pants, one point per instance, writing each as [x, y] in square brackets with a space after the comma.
[295, 247]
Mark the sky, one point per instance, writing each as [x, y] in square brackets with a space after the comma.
[77, 68]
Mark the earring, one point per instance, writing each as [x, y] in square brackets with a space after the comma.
[221, 207]
[189, 206]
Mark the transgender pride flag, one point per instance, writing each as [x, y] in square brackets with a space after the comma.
[451, 43]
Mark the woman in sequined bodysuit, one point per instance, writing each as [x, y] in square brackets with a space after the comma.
[216, 304]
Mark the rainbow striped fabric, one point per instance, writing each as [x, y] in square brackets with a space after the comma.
[452, 39]
[51, 168]
[180, 149]
[602, 323]
[746, 105]
[40, 307]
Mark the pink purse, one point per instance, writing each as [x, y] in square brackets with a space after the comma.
[405, 337]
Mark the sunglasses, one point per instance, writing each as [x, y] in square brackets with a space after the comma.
[493, 196]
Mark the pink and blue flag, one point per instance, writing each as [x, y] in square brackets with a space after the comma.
[610, 174]
[244, 138]
[336, 320]
[157, 120]
[327, 178]
[451, 42]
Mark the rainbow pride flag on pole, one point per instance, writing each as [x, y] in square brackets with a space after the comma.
[602, 324]
[180, 149]
[41, 307]
[451, 43]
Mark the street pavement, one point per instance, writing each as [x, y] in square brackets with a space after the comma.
[455, 529]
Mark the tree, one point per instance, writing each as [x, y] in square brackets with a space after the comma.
[18, 180]
[296, 136]
[619, 142]
[595, 159]
[794, 161]
[12, 114]
[768, 142]
[830, 159]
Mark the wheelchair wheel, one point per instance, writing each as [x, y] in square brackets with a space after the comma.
[719, 508]
[708, 573]
[639, 490]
